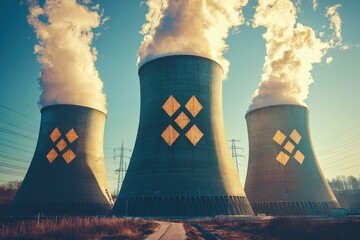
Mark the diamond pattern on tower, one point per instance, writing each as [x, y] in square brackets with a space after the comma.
[290, 145]
[68, 156]
[194, 135]
[299, 157]
[55, 134]
[61, 146]
[193, 106]
[282, 157]
[71, 135]
[51, 155]
[171, 106]
[182, 120]
[295, 136]
[279, 137]
[170, 135]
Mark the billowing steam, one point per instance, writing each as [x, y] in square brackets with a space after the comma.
[68, 74]
[291, 51]
[196, 27]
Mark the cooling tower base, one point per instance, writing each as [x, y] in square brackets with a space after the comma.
[294, 208]
[182, 206]
[60, 209]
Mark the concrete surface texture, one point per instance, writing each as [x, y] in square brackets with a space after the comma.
[67, 173]
[181, 164]
[284, 177]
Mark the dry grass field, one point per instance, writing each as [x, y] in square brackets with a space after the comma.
[278, 229]
[222, 228]
[76, 228]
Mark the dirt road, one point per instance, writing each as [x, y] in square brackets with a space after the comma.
[168, 231]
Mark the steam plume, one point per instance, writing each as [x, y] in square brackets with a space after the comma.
[335, 21]
[196, 27]
[291, 51]
[315, 4]
[68, 73]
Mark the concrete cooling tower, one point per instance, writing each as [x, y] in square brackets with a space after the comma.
[284, 177]
[181, 164]
[67, 173]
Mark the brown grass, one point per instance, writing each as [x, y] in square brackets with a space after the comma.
[284, 228]
[192, 233]
[232, 229]
[298, 228]
[76, 228]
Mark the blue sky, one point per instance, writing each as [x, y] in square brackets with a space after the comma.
[333, 97]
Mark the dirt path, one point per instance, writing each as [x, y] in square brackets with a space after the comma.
[168, 231]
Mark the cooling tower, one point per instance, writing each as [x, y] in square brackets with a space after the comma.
[67, 173]
[181, 165]
[284, 177]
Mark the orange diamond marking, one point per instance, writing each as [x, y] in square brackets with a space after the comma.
[194, 134]
[194, 106]
[55, 134]
[171, 106]
[71, 135]
[170, 135]
[283, 158]
[51, 155]
[299, 157]
[295, 136]
[61, 145]
[182, 120]
[279, 137]
[289, 147]
[68, 156]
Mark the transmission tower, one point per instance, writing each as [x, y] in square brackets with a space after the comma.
[234, 153]
[119, 154]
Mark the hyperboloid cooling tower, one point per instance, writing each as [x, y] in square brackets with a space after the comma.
[67, 173]
[181, 164]
[284, 177]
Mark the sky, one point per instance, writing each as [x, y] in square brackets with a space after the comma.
[333, 97]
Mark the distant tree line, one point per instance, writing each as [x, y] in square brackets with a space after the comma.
[346, 190]
[343, 183]
[8, 191]
[7, 194]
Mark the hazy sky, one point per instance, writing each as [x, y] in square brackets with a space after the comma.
[333, 96]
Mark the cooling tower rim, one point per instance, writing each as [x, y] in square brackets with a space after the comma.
[273, 106]
[146, 62]
[71, 105]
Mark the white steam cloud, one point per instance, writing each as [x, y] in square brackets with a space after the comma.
[68, 73]
[291, 51]
[335, 21]
[315, 5]
[329, 60]
[196, 27]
